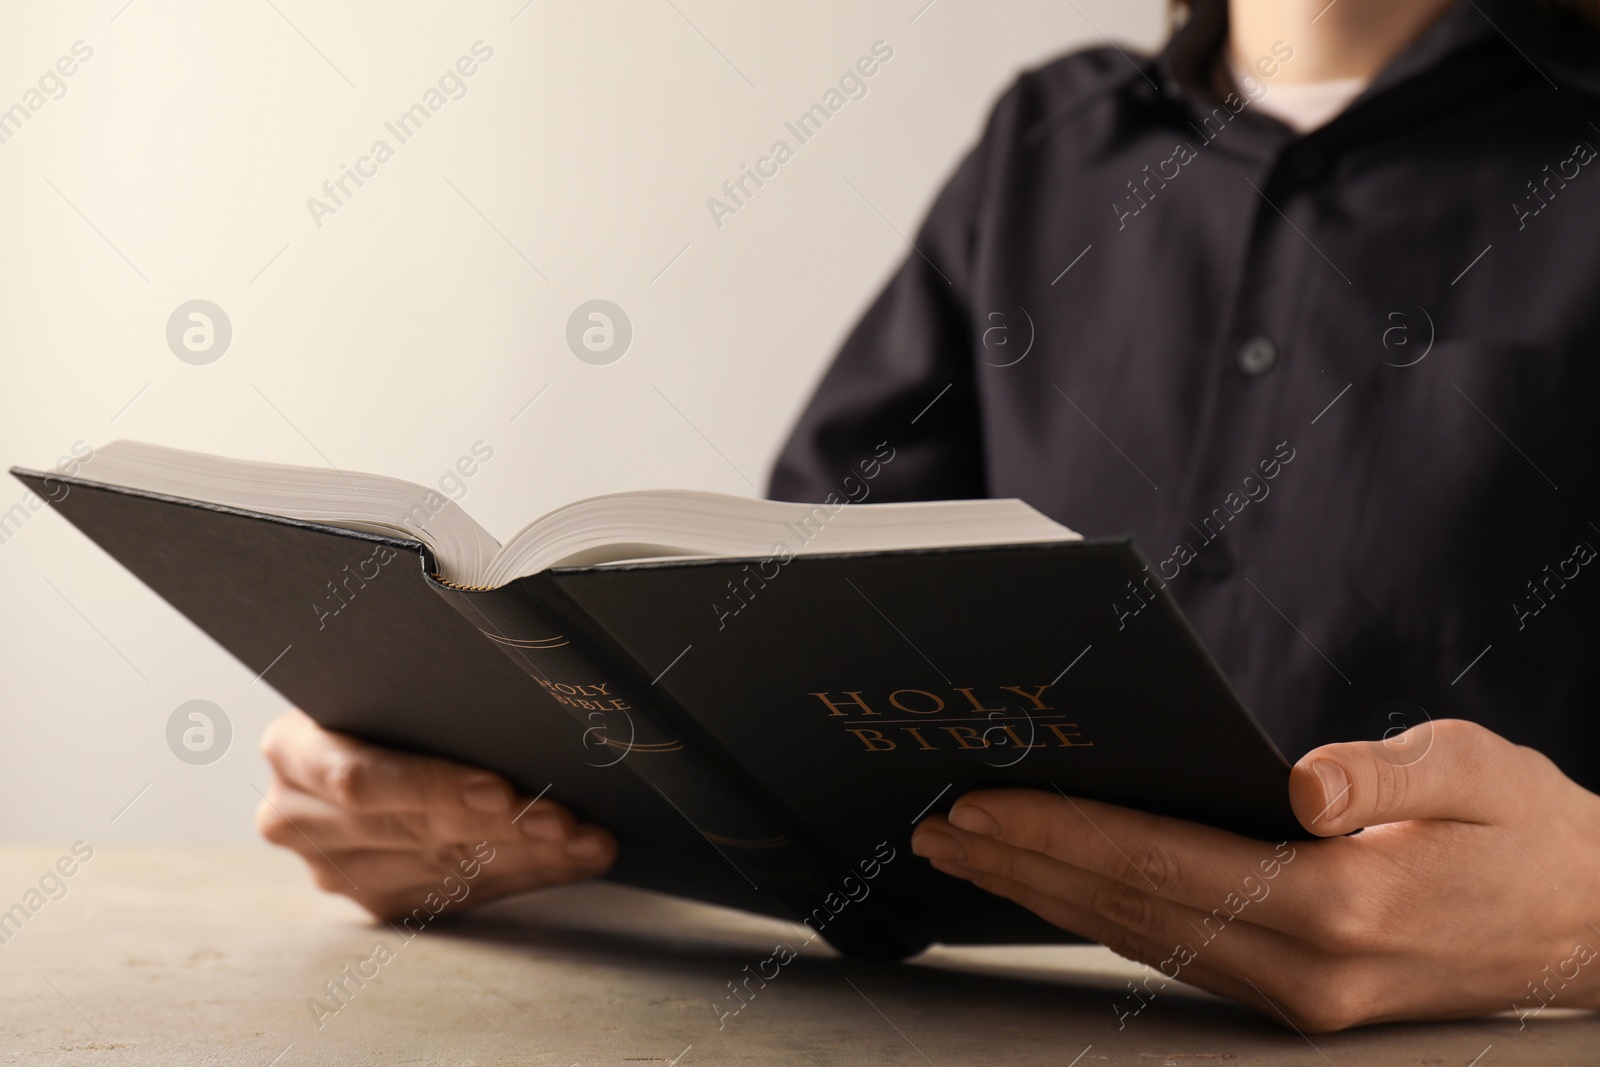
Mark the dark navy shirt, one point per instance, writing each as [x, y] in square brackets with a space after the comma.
[1340, 388]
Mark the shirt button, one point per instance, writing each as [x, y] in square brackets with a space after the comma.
[1257, 356]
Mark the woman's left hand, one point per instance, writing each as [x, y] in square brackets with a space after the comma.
[1474, 889]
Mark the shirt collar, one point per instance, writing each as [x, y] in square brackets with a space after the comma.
[1562, 49]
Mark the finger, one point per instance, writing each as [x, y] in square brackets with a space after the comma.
[1232, 940]
[393, 884]
[1188, 863]
[1063, 913]
[1419, 774]
[287, 814]
[1180, 961]
[1292, 984]
[363, 777]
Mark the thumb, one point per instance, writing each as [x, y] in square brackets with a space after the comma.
[1413, 775]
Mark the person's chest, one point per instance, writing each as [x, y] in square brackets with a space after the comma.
[1343, 388]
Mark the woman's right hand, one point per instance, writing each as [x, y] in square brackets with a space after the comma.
[386, 828]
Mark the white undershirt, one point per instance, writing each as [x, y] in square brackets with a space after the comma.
[1302, 106]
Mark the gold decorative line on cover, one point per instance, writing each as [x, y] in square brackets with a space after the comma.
[746, 842]
[558, 641]
[633, 746]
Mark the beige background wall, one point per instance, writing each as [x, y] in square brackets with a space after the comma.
[423, 315]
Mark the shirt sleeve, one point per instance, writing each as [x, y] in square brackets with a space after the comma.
[898, 400]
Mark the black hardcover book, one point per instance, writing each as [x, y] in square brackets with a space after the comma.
[760, 700]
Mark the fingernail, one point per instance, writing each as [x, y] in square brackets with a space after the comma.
[1335, 787]
[974, 820]
[933, 845]
[486, 797]
[543, 828]
[586, 849]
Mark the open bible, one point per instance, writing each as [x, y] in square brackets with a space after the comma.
[760, 699]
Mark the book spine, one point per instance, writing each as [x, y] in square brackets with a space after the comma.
[617, 726]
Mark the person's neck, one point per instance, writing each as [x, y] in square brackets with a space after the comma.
[1344, 39]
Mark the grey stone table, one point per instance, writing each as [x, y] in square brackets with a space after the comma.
[188, 956]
